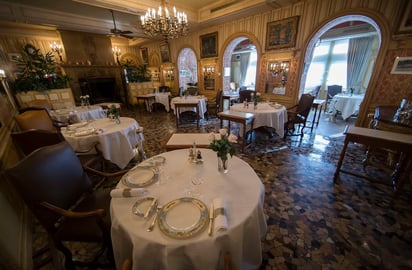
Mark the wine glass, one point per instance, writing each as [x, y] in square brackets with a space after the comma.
[196, 180]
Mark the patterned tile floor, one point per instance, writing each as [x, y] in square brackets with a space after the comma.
[312, 222]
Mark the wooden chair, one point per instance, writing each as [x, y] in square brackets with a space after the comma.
[216, 106]
[40, 103]
[164, 89]
[59, 193]
[192, 91]
[297, 116]
[245, 95]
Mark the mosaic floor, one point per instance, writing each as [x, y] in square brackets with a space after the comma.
[312, 222]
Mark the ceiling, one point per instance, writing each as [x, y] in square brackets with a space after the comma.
[94, 16]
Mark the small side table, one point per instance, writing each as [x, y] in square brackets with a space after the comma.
[240, 117]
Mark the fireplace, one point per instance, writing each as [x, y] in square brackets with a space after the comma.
[100, 89]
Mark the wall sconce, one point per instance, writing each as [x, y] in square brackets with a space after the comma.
[208, 72]
[169, 75]
[280, 68]
[57, 48]
[117, 53]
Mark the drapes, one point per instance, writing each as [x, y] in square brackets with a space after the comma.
[244, 63]
[359, 52]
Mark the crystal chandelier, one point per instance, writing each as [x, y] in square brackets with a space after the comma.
[162, 23]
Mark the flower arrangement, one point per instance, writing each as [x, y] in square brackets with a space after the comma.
[85, 100]
[223, 146]
[114, 113]
[255, 97]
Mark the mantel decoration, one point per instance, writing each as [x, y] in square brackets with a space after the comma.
[223, 147]
[163, 23]
[38, 72]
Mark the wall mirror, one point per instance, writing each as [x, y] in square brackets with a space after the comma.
[277, 76]
[209, 77]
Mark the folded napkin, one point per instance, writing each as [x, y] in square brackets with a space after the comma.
[77, 125]
[220, 210]
[127, 192]
[85, 132]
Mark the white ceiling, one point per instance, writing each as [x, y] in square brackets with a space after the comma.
[94, 16]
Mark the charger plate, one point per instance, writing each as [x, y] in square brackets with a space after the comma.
[140, 177]
[183, 218]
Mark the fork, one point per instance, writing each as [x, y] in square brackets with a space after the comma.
[151, 226]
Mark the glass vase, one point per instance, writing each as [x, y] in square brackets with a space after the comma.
[223, 164]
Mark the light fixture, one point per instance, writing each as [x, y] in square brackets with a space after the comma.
[57, 48]
[163, 23]
[279, 67]
[117, 53]
[208, 72]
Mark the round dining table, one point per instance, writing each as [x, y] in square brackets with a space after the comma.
[266, 115]
[78, 114]
[200, 100]
[240, 189]
[116, 141]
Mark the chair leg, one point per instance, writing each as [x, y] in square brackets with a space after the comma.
[68, 262]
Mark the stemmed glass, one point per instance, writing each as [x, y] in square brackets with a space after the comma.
[196, 180]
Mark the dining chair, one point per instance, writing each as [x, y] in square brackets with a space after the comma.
[192, 91]
[164, 88]
[297, 116]
[245, 95]
[58, 191]
[40, 103]
[29, 140]
[333, 90]
[215, 106]
[37, 118]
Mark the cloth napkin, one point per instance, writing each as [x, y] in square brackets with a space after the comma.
[85, 132]
[220, 222]
[127, 192]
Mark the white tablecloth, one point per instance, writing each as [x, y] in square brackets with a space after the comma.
[116, 141]
[265, 115]
[244, 195]
[345, 104]
[78, 114]
[190, 99]
[162, 98]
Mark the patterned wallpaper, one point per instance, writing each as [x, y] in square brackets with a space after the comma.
[392, 88]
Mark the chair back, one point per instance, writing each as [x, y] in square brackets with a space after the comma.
[245, 95]
[34, 118]
[315, 91]
[192, 91]
[305, 105]
[40, 103]
[334, 90]
[51, 174]
[219, 100]
[29, 140]
[164, 88]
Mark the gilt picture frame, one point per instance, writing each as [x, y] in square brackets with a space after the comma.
[402, 65]
[164, 52]
[208, 45]
[405, 20]
[145, 55]
[282, 34]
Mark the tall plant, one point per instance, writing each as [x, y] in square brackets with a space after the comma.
[38, 71]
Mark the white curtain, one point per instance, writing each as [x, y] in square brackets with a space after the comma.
[244, 63]
[359, 52]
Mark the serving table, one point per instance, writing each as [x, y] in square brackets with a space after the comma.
[78, 114]
[115, 141]
[266, 114]
[240, 188]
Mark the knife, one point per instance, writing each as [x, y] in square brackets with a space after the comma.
[211, 217]
[149, 209]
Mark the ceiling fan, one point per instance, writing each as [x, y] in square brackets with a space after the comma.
[117, 32]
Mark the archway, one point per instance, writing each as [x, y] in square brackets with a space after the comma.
[187, 67]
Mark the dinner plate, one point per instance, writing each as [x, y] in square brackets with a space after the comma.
[140, 207]
[139, 177]
[183, 217]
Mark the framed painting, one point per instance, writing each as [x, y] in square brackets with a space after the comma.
[402, 65]
[405, 20]
[208, 45]
[164, 52]
[282, 34]
[145, 55]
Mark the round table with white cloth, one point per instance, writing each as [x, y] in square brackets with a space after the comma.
[240, 189]
[115, 141]
[78, 114]
[266, 114]
[190, 99]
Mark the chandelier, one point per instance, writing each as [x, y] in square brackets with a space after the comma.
[163, 23]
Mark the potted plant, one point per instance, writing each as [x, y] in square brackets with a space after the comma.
[38, 72]
[136, 73]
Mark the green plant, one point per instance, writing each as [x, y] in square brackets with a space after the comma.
[136, 73]
[38, 72]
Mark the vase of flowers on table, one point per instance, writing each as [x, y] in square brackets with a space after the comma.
[222, 144]
[85, 100]
[255, 98]
[114, 113]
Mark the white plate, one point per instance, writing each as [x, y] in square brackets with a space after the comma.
[139, 177]
[183, 218]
